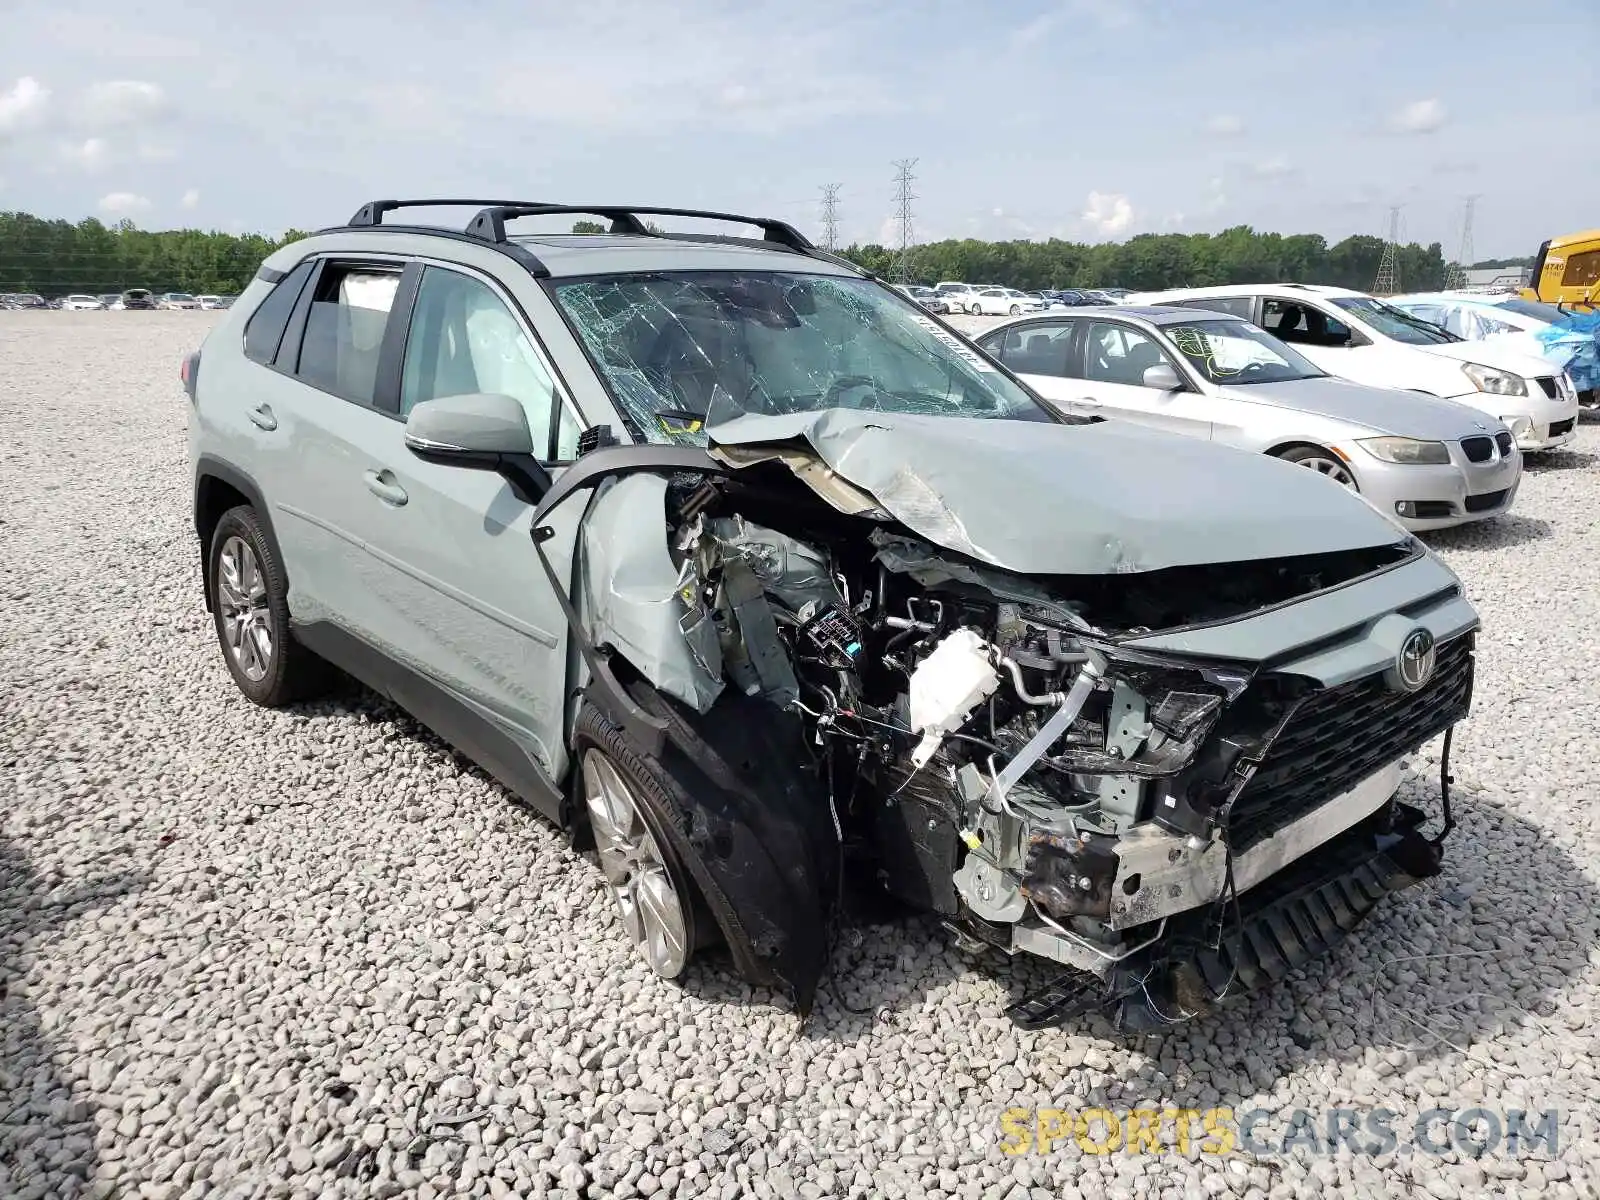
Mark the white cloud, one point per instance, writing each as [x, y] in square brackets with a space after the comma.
[191, 198]
[1108, 212]
[91, 154]
[1275, 167]
[121, 102]
[1420, 116]
[22, 104]
[1225, 125]
[1107, 14]
[123, 204]
[1173, 220]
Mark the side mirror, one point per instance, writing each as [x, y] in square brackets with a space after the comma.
[486, 431]
[1162, 377]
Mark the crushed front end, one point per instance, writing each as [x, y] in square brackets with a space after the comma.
[1178, 783]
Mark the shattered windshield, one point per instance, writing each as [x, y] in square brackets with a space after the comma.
[1233, 352]
[682, 350]
[1393, 322]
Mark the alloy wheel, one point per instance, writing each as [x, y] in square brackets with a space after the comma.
[652, 910]
[246, 619]
[1332, 468]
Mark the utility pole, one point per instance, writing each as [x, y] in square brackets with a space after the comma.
[1455, 275]
[1388, 281]
[830, 216]
[900, 270]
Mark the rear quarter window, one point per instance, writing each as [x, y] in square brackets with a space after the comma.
[264, 330]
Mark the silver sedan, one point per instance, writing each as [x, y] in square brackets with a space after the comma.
[1427, 463]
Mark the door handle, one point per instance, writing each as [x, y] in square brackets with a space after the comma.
[382, 485]
[261, 417]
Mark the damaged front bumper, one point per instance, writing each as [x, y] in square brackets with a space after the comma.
[1204, 958]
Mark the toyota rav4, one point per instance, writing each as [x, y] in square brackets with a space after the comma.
[762, 581]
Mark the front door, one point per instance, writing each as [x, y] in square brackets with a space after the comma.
[467, 599]
[1115, 358]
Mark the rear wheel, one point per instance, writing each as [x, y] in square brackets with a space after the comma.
[250, 609]
[1323, 462]
[1016, 310]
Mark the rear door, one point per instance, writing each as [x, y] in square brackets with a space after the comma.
[1042, 353]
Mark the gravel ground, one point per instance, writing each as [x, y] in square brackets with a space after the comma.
[312, 953]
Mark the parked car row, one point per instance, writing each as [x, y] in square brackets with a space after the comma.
[806, 586]
[133, 298]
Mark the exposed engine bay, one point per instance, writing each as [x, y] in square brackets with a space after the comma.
[987, 746]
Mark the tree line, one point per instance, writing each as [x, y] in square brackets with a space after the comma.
[55, 257]
[1163, 260]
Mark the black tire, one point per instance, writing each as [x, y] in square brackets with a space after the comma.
[649, 784]
[292, 672]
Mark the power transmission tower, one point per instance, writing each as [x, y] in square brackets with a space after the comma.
[900, 269]
[830, 216]
[1388, 281]
[1455, 274]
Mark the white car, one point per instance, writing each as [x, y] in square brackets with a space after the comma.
[1003, 301]
[1363, 339]
[958, 297]
[79, 303]
[1424, 463]
[209, 302]
[172, 300]
[1530, 326]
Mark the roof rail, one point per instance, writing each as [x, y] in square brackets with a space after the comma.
[490, 224]
[371, 213]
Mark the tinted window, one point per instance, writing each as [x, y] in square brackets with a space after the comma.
[344, 330]
[264, 330]
[465, 340]
[1392, 322]
[1583, 270]
[1121, 354]
[1303, 323]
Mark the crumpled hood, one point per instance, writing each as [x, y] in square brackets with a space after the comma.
[1049, 499]
[1383, 410]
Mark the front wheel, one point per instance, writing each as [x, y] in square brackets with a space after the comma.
[1015, 310]
[1323, 462]
[975, 310]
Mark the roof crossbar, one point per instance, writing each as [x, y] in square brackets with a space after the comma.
[490, 224]
[371, 213]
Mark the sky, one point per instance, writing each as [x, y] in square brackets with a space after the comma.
[1085, 119]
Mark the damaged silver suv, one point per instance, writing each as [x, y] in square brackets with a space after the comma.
[732, 560]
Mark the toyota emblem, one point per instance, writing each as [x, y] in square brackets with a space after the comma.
[1413, 666]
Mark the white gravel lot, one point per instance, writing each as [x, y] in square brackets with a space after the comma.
[311, 953]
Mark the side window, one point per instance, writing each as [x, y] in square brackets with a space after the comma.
[1583, 270]
[464, 340]
[1116, 353]
[344, 329]
[1303, 323]
[264, 330]
[1038, 349]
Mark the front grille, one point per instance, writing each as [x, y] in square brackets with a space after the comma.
[1557, 428]
[1548, 383]
[1503, 440]
[1486, 501]
[1343, 734]
[1478, 449]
